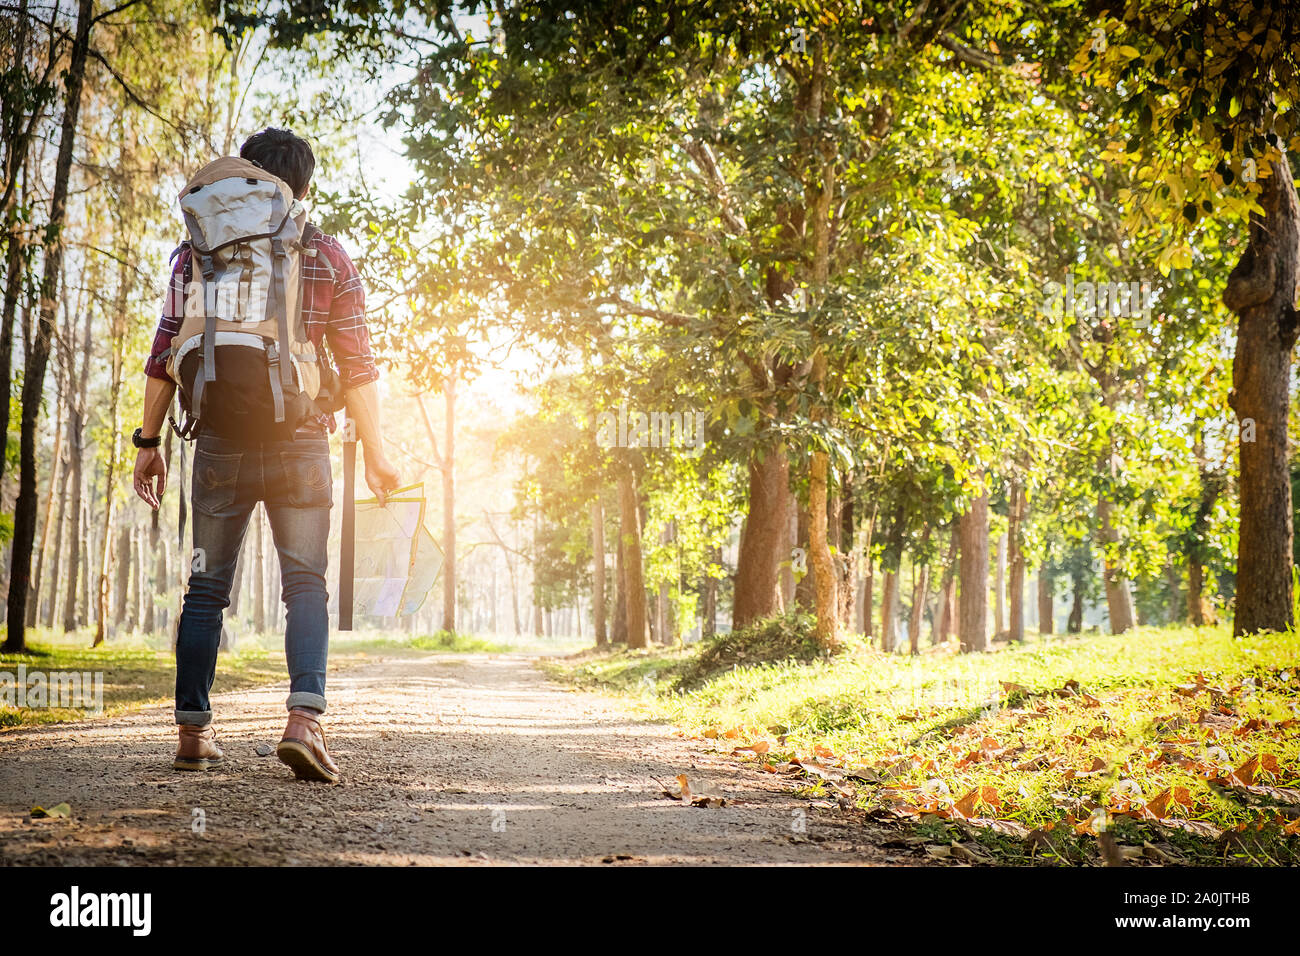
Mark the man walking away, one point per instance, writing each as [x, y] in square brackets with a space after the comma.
[256, 294]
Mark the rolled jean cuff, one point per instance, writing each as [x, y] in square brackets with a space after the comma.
[300, 698]
[198, 718]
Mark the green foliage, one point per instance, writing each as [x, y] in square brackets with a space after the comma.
[776, 639]
[451, 641]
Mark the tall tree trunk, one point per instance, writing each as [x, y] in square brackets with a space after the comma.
[1119, 595]
[630, 535]
[869, 601]
[598, 570]
[1016, 564]
[76, 459]
[849, 555]
[709, 614]
[114, 455]
[760, 545]
[1046, 624]
[948, 590]
[157, 575]
[50, 610]
[449, 507]
[1176, 606]
[973, 605]
[13, 288]
[1200, 611]
[787, 585]
[56, 471]
[619, 635]
[1262, 290]
[920, 581]
[122, 584]
[1000, 587]
[888, 598]
[1074, 623]
[819, 552]
[25, 507]
[805, 586]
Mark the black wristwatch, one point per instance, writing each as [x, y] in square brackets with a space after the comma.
[140, 442]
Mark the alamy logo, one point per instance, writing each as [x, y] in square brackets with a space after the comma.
[73, 909]
[1100, 300]
[79, 690]
[653, 430]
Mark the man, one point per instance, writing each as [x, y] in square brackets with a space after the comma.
[293, 478]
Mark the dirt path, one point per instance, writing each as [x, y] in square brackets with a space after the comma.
[468, 759]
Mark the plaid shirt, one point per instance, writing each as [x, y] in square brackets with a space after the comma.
[334, 309]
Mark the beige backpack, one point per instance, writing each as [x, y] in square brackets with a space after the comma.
[242, 359]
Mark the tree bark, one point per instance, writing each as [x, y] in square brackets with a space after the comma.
[1074, 623]
[920, 580]
[848, 554]
[805, 587]
[888, 598]
[709, 616]
[1000, 587]
[948, 591]
[56, 471]
[973, 606]
[787, 585]
[1016, 565]
[449, 508]
[25, 507]
[598, 570]
[158, 575]
[1046, 624]
[634, 582]
[1200, 611]
[619, 635]
[1119, 595]
[1261, 290]
[122, 584]
[760, 546]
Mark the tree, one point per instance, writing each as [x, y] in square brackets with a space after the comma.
[1211, 86]
[25, 508]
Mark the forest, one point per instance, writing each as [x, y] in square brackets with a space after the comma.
[921, 328]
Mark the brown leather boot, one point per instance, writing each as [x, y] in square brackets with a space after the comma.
[303, 747]
[197, 749]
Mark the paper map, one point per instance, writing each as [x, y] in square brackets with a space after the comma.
[397, 559]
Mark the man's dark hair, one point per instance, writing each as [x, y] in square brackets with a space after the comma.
[282, 154]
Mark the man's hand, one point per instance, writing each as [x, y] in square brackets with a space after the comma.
[150, 465]
[381, 476]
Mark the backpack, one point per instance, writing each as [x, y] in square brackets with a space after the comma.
[241, 359]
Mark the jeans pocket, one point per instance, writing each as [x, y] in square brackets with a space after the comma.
[216, 480]
[307, 478]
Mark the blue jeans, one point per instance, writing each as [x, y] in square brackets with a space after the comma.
[293, 478]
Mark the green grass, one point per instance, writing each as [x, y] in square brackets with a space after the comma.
[140, 671]
[137, 672]
[928, 730]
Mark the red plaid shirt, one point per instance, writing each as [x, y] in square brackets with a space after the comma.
[333, 309]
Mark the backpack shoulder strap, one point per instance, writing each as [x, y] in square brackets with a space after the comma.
[309, 234]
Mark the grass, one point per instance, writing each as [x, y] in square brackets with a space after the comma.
[136, 673]
[1070, 735]
[140, 671]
